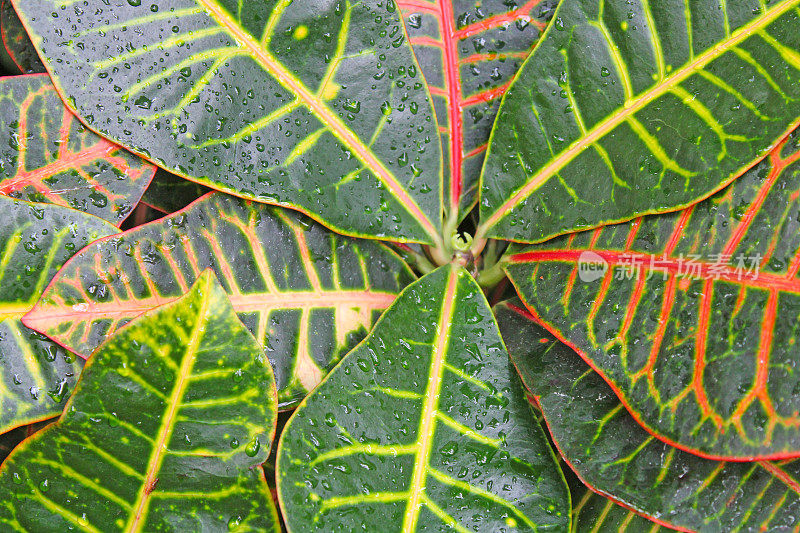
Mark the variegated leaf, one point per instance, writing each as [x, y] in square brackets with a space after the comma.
[611, 453]
[165, 431]
[692, 316]
[422, 427]
[633, 107]
[469, 52]
[309, 295]
[36, 240]
[46, 155]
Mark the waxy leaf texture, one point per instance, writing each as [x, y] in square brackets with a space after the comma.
[165, 432]
[611, 453]
[35, 241]
[424, 426]
[317, 106]
[469, 52]
[628, 108]
[47, 155]
[307, 294]
[692, 317]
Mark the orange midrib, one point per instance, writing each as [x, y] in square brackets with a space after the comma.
[339, 129]
[628, 109]
[42, 315]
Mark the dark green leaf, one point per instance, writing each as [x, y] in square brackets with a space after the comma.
[169, 193]
[17, 55]
[317, 106]
[10, 439]
[422, 427]
[611, 453]
[165, 431]
[630, 108]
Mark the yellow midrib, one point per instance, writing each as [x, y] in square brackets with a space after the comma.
[326, 116]
[432, 391]
[628, 109]
[136, 521]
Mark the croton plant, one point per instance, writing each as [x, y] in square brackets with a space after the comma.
[400, 265]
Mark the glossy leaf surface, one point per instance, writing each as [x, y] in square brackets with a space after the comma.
[307, 294]
[318, 106]
[422, 427]
[46, 155]
[593, 513]
[635, 107]
[36, 375]
[469, 51]
[691, 316]
[611, 453]
[18, 54]
[169, 193]
[165, 431]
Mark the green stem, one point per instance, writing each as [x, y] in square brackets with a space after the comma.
[418, 260]
[492, 276]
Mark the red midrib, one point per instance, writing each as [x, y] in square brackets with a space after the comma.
[22, 177]
[453, 74]
[705, 270]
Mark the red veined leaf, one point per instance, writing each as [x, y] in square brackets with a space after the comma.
[47, 155]
[307, 294]
[614, 456]
[469, 52]
[17, 54]
[628, 108]
[692, 317]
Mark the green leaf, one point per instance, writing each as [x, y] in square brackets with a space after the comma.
[422, 427]
[165, 431]
[46, 155]
[469, 53]
[611, 453]
[691, 316]
[593, 513]
[17, 53]
[36, 375]
[307, 294]
[317, 106]
[627, 109]
[169, 193]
